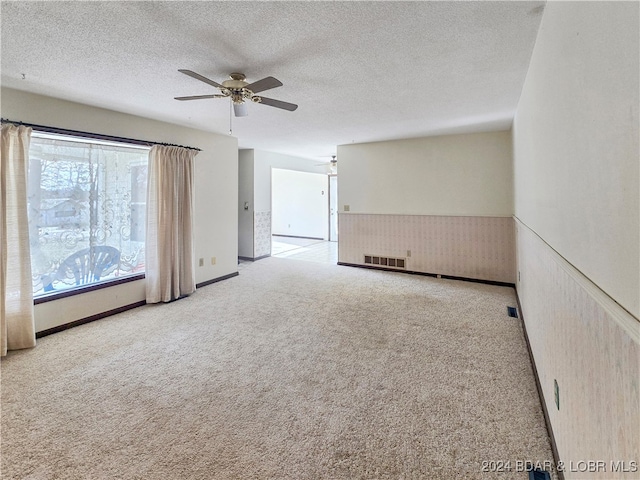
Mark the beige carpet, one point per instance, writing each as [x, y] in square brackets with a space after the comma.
[292, 370]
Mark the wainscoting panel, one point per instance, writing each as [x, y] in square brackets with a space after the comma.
[481, 248]
[262, 234]
[581, 338]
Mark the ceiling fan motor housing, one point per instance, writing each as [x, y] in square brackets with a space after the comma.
[235, 89]
[237, 82]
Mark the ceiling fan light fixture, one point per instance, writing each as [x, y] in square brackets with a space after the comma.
[239, 90]
[240, 109]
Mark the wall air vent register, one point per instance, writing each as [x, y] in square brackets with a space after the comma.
[388, 262]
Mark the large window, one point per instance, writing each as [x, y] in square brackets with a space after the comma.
[86, 211]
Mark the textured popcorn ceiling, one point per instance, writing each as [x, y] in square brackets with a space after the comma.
[359, 71]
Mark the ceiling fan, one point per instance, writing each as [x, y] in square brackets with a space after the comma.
[333, 164]
[239, 90]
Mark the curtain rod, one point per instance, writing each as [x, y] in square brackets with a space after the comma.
[97, 136]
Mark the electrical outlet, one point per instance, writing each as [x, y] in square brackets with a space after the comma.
[201, 262]
[408, 253]
[556, 391]
[347, 208]
[213, 260]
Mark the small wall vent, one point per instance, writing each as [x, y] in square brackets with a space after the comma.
[385, 261]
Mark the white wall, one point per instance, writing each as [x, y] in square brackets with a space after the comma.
[576, 143]
[299, 204]
[446, 175]
[216, 193]
[576, 168]
[265, 161]
[245, 194]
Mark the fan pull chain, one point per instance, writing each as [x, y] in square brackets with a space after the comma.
[230, 117]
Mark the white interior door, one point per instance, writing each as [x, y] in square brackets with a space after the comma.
[333, 208]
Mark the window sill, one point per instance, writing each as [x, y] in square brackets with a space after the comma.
[69, 292]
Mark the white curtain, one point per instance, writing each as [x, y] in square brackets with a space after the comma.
[17, 326]
[169, 268]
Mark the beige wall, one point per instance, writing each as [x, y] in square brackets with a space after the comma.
[586, 342]
[576, 181]
[576, 143]
[216, 192]
[482, 248]
[444, 204]
[447, 175]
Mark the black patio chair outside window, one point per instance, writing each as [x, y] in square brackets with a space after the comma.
[85, 266]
